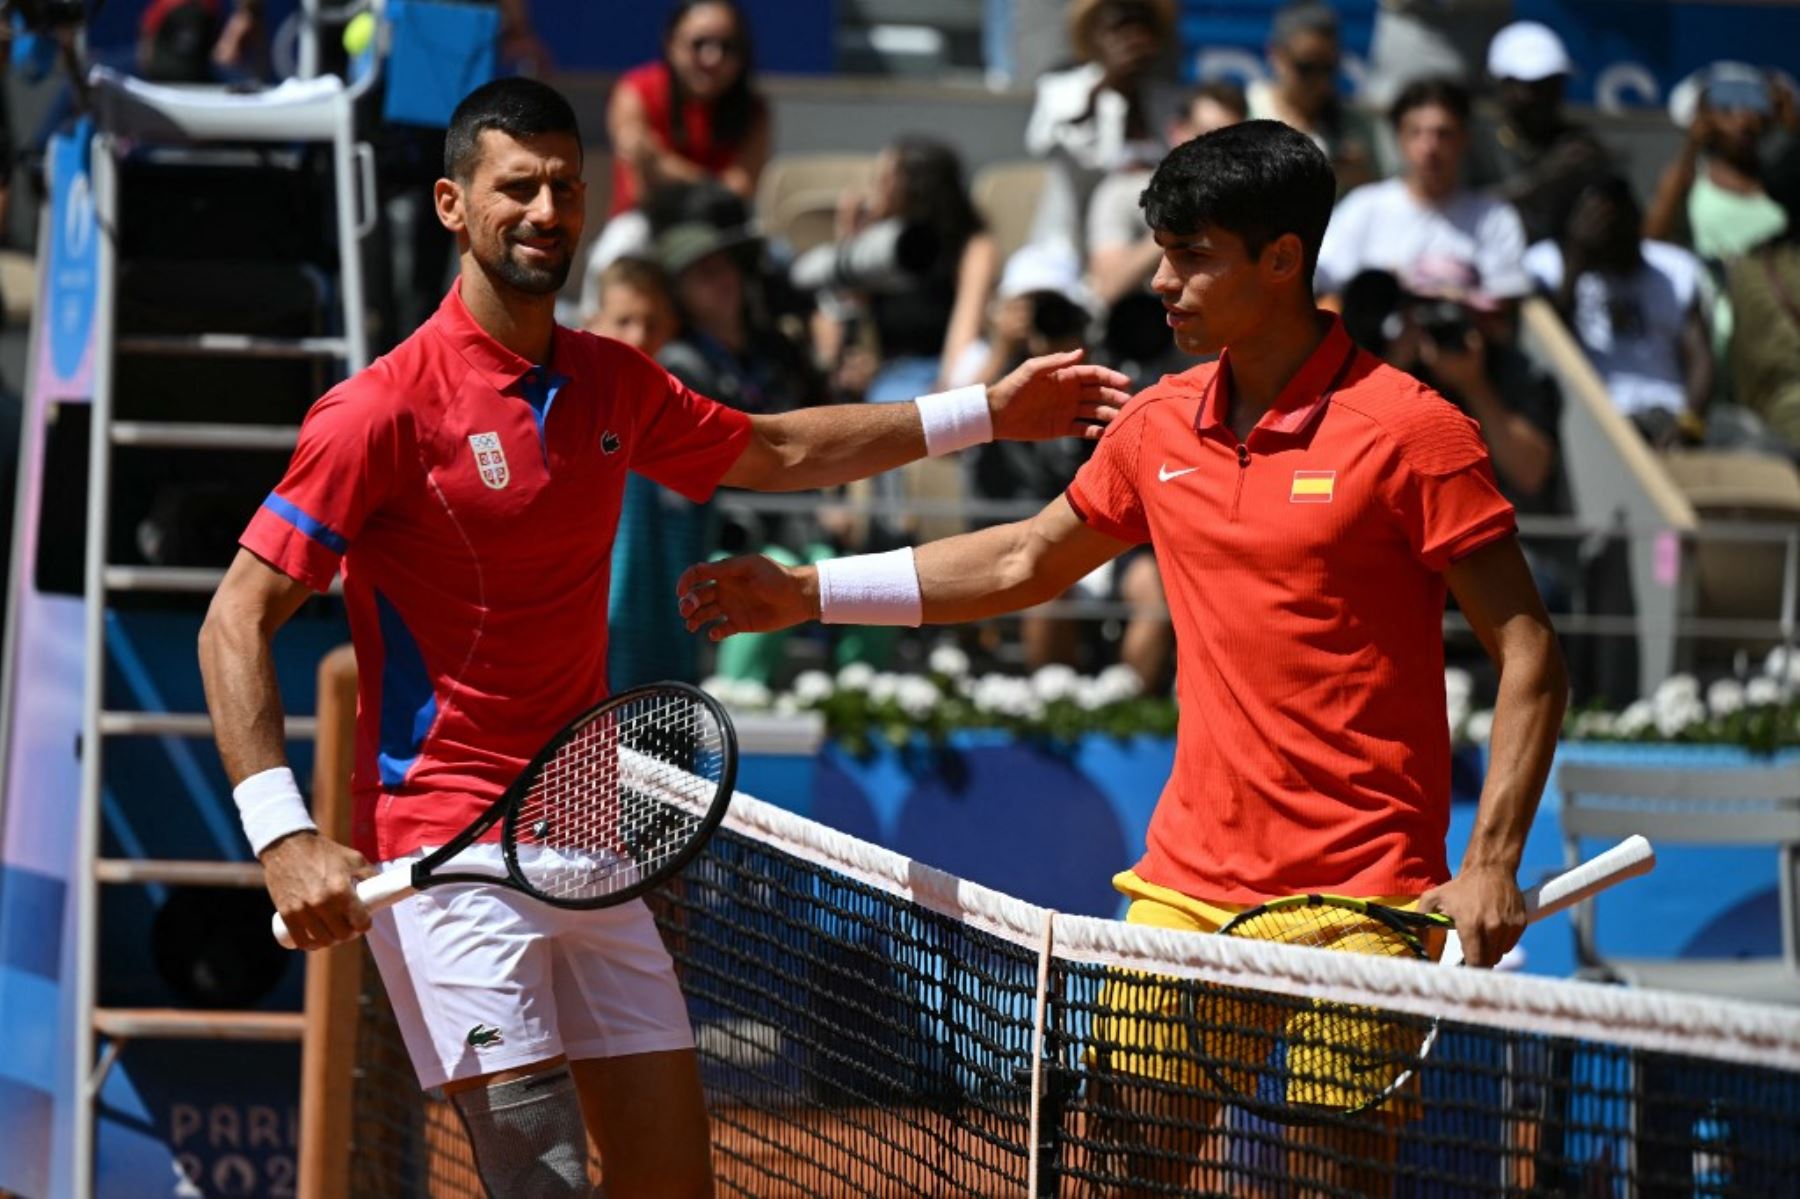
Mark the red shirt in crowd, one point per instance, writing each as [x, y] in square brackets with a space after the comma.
[1304, 573]
[654, 85]
[472, 498]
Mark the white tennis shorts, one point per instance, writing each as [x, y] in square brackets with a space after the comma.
[483, 978]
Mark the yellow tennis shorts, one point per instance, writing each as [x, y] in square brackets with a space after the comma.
[1171, 1032]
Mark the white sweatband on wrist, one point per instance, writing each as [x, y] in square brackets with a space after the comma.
[871, 589]
[270, 805]
[955, 420]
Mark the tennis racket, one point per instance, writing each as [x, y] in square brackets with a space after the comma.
[1338, 1058]
[613, 806]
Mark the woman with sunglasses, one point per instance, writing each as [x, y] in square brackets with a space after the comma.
[1304, 59]
[694, 114]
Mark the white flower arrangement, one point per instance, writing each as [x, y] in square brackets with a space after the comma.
[1056, 703]
[1760, 713]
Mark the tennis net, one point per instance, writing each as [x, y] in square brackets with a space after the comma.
[871, 1026]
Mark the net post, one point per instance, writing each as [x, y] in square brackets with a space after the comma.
[333, 976]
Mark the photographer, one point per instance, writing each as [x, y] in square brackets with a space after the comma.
[922, 326]
[1435, 323]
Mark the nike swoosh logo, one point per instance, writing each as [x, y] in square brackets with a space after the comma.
[1164, 474]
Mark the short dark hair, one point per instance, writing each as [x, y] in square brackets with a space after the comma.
[516, 107]
[1438, 92]
[1226, 93]
[1257, 180]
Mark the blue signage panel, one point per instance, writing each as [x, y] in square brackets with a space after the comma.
[1628, 53]
[74, 251]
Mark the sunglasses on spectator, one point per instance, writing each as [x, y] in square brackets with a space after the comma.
[1318, 68]
[724, 45]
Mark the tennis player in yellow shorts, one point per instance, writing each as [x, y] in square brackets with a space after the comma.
[1147, 1030]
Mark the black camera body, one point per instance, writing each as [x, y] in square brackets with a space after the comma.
[1446, 322]
[886, 257]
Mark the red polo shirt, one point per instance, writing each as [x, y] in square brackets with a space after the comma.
[472, 499]
[1304, 577]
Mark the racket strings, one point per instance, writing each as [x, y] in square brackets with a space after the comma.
[1321, 1055]
[620, 798]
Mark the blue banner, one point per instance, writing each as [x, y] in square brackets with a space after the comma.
[1628, 53]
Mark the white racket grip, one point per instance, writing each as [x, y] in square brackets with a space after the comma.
[1628, 859]
[382, 891]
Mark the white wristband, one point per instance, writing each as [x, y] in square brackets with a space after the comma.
[871, 589]
[955, 420]
[270, 806]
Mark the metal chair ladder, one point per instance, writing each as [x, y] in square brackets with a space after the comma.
[313, 111]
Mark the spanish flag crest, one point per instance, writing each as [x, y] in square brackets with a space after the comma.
[1312, 486]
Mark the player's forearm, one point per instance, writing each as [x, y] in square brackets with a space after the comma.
[824, 447]
[973, 576]
[983, 574]
[237, 666]
[1528, 714]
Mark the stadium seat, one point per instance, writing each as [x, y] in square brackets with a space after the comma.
[1006, 193]
[1737, 580]
[797, 197]
[1756, 805]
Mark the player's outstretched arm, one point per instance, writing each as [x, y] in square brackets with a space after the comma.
[1054, 396]
[311, 880]
[970, 577]
[1494, 588]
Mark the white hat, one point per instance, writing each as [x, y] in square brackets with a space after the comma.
[1050, 265]
[1528, 51]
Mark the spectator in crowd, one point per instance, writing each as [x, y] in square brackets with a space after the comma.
[1764, 287]
[693, 115]
[1712, 196]
[633, 234]
[1044, 308]
[1121, 254]
[1426, 212]
[1305, 55]
[1425, 39]
[633, 303]
[921, 329]
[1635, 307]
[659, 531]
[175, 41]
[725, 350]
[1535, 158]
[1101, 116]
[1436, 323]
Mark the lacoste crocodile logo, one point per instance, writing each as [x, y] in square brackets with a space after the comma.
[481, 1037]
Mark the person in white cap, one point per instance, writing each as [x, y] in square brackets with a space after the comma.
[1535, 158]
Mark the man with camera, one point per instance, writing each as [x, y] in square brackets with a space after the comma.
[1434, 321]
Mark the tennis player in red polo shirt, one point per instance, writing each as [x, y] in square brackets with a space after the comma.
[468, 485]
[1308, 506]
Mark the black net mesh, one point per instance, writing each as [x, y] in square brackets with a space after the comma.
[854, 1042]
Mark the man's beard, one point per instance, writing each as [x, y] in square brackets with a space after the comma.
[532, 280]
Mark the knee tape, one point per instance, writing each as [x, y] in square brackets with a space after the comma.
[528, 1137]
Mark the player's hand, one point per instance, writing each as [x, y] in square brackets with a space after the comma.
[1488, 910]
[313, 882]
[1462, 369]
[1057, 395]
[747, 594]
